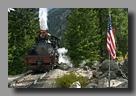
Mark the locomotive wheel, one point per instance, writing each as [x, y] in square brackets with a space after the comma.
[56, 66]
[36, 71]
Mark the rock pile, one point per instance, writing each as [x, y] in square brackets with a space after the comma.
[64, 66]
[75, 85]
[98, 74]
[124, 67]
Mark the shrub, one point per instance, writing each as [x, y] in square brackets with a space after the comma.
[121, 58]
[66, 80]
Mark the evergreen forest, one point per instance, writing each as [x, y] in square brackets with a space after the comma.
[84, 34]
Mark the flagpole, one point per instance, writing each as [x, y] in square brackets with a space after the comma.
[109, 70]
[109, 62]
[110, 44]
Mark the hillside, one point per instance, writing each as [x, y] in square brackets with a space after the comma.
[57, 22]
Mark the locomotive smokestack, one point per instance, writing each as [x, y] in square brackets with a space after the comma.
[43, 18]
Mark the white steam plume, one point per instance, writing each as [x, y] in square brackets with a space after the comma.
[43, 18]
[63, 58]
[9, 9]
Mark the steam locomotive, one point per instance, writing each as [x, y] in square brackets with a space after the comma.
[43, 55]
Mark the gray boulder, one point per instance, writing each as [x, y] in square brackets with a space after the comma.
[86, 68]
[121, 63]
[119, 83]
[88, 64]
[113, 66]
[91, 85]
[92, 64]
[124, 67]
[114, 83]
[87, 74]
[106, 74]
[63, 66]
[75, 85]
[96, 73]
[95, 64]
[103, 83]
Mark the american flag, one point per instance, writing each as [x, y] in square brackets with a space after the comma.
[111, 40]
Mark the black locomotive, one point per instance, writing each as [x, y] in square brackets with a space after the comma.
[43, 55]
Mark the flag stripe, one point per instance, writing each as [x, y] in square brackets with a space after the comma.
[108, 42]
[111, 40]
[111, 53]
[110, 47]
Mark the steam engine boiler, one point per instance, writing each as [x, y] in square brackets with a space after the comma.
[43, 55]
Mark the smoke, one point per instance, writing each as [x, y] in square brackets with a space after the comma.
[43, 18]
[62, 50]
[63, 58]
[9, 9]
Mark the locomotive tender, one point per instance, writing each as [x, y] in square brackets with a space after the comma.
[43, 55]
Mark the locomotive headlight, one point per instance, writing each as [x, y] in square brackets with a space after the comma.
[42, 35]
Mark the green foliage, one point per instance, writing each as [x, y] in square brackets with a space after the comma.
[81, 37]
[120, 25]
[78, 18]
[119, 20]
[66, 80]
[121, 58]
[23, 27]
[86, 35]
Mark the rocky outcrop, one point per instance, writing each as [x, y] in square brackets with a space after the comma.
[75, 85]
[91, 85]
[93, 64]
[113, 66]
[124, 67]
[106, 74]
[118, 74]
[119, 84]
[84, 73]
[64, 66]
[58, 73]
[103, 83]
[86, 68]
[98, 74]
[114, 83]
[123, 84]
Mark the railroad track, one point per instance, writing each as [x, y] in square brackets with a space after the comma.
[27, 80]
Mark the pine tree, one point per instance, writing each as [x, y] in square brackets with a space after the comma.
[81, 37]
[23, 27]
[87, 32]
[120, 26]
[119, 21]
